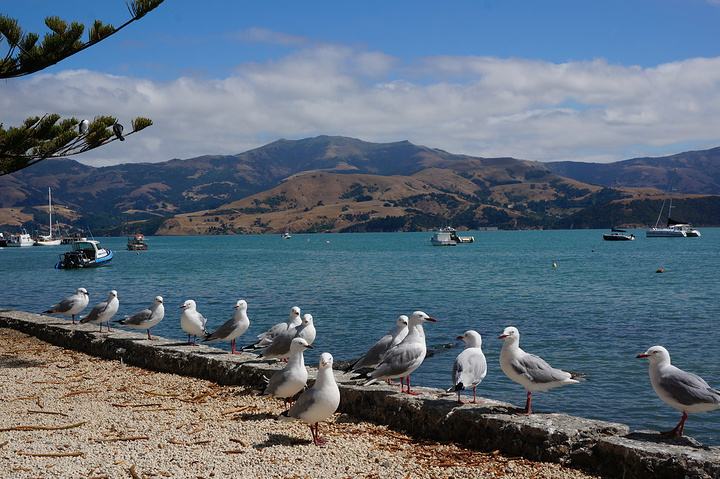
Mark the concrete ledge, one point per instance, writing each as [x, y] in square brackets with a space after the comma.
[597, 446]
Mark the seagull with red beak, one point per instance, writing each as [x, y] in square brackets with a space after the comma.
[401, 360]
[531, 371]
[679, 389]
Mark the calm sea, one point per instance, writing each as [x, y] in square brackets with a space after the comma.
[602, 305]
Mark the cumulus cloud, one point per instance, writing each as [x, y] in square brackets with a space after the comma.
[485, 106]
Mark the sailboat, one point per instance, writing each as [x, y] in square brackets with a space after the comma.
[48, 240]
[673, 228]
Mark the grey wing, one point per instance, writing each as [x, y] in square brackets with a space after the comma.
[687, 388]
[398, 360]
[457, 371]
[537, 370]
[203, 320]
[63, 306]
[223, 331]
[280, 345]
[275, 381]
[138, 318]
[95, 312]
[374, 354]
[303, 403]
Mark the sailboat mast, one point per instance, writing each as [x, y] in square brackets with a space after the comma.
[50, 209]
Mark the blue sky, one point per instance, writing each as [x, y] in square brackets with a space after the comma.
[587, 69]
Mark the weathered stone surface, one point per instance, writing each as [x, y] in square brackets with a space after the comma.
[597, 446]
[647, 454]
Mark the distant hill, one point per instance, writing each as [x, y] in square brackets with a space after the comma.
[338, 184]
[694, 172]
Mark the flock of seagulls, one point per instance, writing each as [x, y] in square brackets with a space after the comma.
[396, 355]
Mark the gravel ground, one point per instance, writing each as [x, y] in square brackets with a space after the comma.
[66, 414]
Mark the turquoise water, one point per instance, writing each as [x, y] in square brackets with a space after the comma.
[600, 307]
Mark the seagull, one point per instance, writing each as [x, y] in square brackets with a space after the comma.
[406, 357]
[267, 337]
[376, 352]
[307, 329]
[147, 318]
[289, 381]
[83, 127]
[529, 370]
[470, 366]
[280, 346]
[118, 129]
[192, 322]
[103, 312]
[319, 402]
[681, 390]
[72, 305]
[233, 327]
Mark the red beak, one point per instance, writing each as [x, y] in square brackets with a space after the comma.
[642, 355]
[459, 337]
[502, 336]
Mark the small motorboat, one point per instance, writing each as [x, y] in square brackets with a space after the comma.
[85, 254]
[617, 234]
[286, 235]
[137, 243]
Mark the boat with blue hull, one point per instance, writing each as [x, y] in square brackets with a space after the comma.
[85, 254]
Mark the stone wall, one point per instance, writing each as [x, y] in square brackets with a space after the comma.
[596, 446]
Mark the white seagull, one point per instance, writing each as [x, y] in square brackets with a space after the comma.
[266, 338]
[679, 389]
[376, 352]
[72, 305]
[233, 327]
[280, 346]
[406, 357]
[292, 379]
[529, 370]
[470, 366]
[147, 318]
[192, 322]
[103, 312]
[83, 127]
[319, 402]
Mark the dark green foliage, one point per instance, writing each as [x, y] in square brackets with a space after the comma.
[50, 137]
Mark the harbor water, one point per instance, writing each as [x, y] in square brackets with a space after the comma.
[601, 305]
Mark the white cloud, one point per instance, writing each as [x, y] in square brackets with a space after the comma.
[485, 106]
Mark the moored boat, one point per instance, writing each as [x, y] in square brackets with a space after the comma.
[85, 254]
[448, 237]
[49, 240]
[20, 240]
[137, 243]
[673, 229]
[617, 234]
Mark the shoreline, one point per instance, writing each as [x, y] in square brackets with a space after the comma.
[595, 446]
[106, 419]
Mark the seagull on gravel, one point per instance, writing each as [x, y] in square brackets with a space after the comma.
[679, 389]
[288, 382]
[529, 370]
[192, 322]
[319, 402]
[233, 327]
[470, 366]
[72, 305]
[147, 318]
[103, 312]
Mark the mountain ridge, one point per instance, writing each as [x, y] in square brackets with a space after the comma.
[465, 190]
